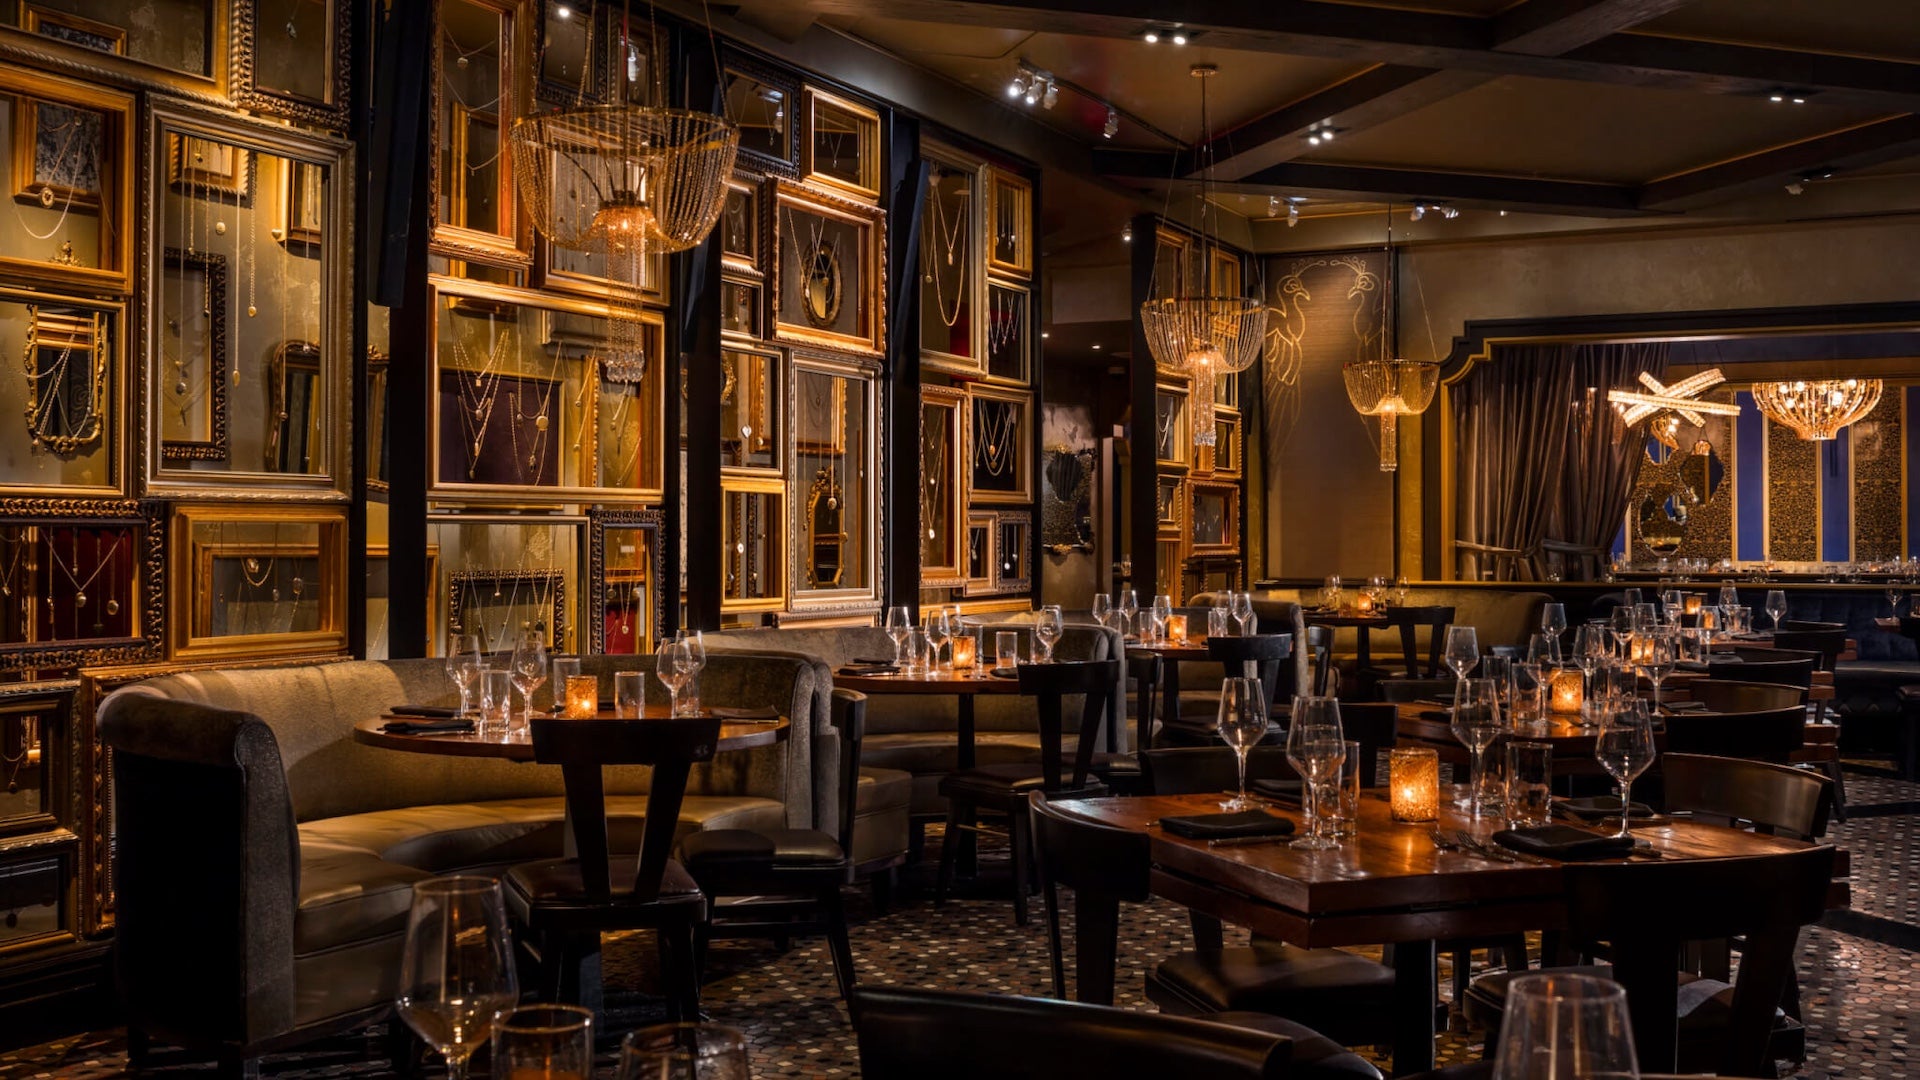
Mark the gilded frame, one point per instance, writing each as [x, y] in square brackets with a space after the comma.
[1019, 576]
[843, 599]
[290, 357]
[972, 279]
[184, 557]
[236, 181]
[952, 571]
[1170, 505]
[866, 135]
[1227, 456]
[599, 521]
[330, 483]
[111, 316]
[384, 553]
[23, 45]
[549, 277]
[248, 93]
[787, 164]
[149, 616]
[295, 227]
[869, 223]
[1172, 426]
[67, 331]
[30, 89]
[733, 542]
[213, 268]
[766, 396]
[459, 581]
[512, 247]
[533, 545]
[34, 18]
[1009, 201]
[751, 221]
[1019, 316]
[1229, 543]
[981, 537]
[1018, 426]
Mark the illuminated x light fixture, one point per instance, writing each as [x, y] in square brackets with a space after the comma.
[1681, 397]
[1816, 410]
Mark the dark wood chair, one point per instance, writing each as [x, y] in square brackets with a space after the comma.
[1143, 670]
[1773, 799]
[785, 882]
[1647, 911]
[1785, 666]
[1260, 653]
[1736, 696]
[1407, 620]
[1321, 675]
[1811, 625]
[1003, 789]
[1822, 745]
[1766, 735]
[565, 904]
[1187, 770]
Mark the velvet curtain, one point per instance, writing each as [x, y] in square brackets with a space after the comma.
[1603, 454]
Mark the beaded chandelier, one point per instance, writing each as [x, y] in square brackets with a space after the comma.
[1390, 389]
[1817, 410]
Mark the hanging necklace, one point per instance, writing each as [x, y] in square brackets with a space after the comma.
[820, 410]
[462, 59]
[1005, 322]
[19, 544]
[69, 131]
[1168, 410]
[813, 268]
[996, 446]
[79, 588]
[479, 392]
[936, 450]
[950, 233]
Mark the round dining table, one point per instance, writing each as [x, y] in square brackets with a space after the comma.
[963, 686]
[735, 734]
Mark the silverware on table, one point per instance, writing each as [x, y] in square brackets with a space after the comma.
[1248, 841]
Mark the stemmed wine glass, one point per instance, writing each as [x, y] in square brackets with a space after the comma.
[1625, 749]
[1777, 606]
[1565, 1027]
[1316, 748]
[1476, 723]
[1162, 611]
[1591, 648]
[1103, 609]
[899, 621]
[671, 667]
[1242, 608]
[1729, 598]
[939, 630]
[1553, 620]
[529, 668]
[696, 645]
[1047, 627]
[1401, 590]
[1893, 598]
[1129, 608]
[1657, 659]
[1622, 625]
[1243, 723]
[1543, 648]
[456, 968]
[464, 665]
[1463, 650]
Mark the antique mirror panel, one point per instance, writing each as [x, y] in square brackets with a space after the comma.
[476, 96]
[949, 264]
[291, 58]
[763, 103]
[1216, 518]
[69, 181]
[245, 317]
[497, 577]
[834, 431]
[257, 580]
[191, 55]
[842, 144]
[942, 510]
[1007, 347]
[740, 227]
[751, 403]
[63, 435]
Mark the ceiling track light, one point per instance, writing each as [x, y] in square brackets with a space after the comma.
[1789, 95]
[1112, 127]
[1175, 34]
[1320, 132]
[1421, 210]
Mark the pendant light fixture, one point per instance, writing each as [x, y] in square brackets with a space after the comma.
[1205, 336]
[1816, 409]
[1389, 387]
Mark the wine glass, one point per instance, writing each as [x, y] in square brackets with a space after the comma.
[1332, 588]
[1621, 622]
[1476, 723]
[1543, 648]
[1129, 609]
[1103, 609]
[1565, 1027]
[1624, 748]
[464, 665]
[529, 668]
[1893, 597]
[1162, 611]
[899, 621]
[548, 1042]
[1316, 748]
[1729, 596]
[1671, 604]
[1243, 613]
[671, 669]
[1243, 723]
[1657, 658]
[685, 1052]
[1401, 590]
[1553, 620]
[1777, 606]
[1047, 628]
[1463, 650]
[939, 630]
[1632, 597]
[456, 968]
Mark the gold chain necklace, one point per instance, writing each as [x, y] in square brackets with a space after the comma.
[996, 449]
[79, 588]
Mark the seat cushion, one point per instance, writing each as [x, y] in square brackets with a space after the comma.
[882, 804]
[990, 784]
[347, 895]
[1347, 997]
[1315, 1057]
[1705, 1005]
[747, 848]
[557, 882]
[922, 752]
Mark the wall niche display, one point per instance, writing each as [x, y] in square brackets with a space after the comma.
[235, 292]
[61, 435]
[762, 101]
[257, 581]
[476, 91]
[828, 282]
[1216, 518]
[836, 531]
[949, 265]
[1007, 351]
[943, 497]
[498, 576]
[842, 145]
[624, 568]
[527, 399]
[1000, 456]
[79, 583]
[190, 57]
[1009, 224]
[752, 432]
[753, 544]
[69, 146]
[1012, 551]
[291, 58]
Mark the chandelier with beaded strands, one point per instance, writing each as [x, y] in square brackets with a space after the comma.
[625, 181]
[1816, 409]
[1205, 336]
[1389, 387]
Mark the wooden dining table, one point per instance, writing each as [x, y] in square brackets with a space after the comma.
[734, 735]
[1388, 885]
[963, 686]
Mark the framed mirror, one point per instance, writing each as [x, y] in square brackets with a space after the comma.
[842, 144]
[836, 426]
[380, 596]
[625, 563]
[1008, 354]
[500, 605]
[740, 228]
[476, 99]
[753, 544]
[1012, 551]
[1223, 458]
[828, 286]
[1703, 471]
[752, 402]
[740, 308]
[1009, 224]
[507, 571]
[295, 382]
[74, 589]
[942, 511]
[194, 356]
[65, 439]
[292, 58]
[1066, 500]
[379, 423]
[762, 102]
[70, 148]
[1173, 435]
[978, 556]
[65, 363]
[1000, 452]
[1216, 518]
[950, 263]
[190, 59]
[258, 581]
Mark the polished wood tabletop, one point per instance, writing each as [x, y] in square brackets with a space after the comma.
[943, 682]
[734, 735]
[1192, 648]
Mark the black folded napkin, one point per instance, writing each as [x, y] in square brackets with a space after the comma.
[1563, 842]
[435, 712]
[871, 661]
[1684, 706]
[449, 725]
[1600, 808]
[1287, 790]
[999, 674]
[1227, 826]
[867, 669]
[763, 712]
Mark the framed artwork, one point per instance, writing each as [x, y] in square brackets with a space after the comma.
[1000, 455]
[752, 404]
[1009, 356]
[740, 308]
[83, 581]
[1225, 455]
[66, 366]
[625, 566]
[206, 168]
[477, 61]
[950, 263]
[753, 544]
[828, 281]
[1012, 551]
[302, 203]
[836, 471]
[65, 438]
[628, 418]
[740, 228]
[1216, 518]
[59, 154]
[73, 29]
[178, 47]
[380, 597]
[1169, 505]
[841, 148]
[1173, 434]
[762, 101]
[507, 571]
[194, 357]
[257, 580]
[1224, 272]
[977, 558]
[1009, 224]
[499, 605]
[1066, 499]
[71, 181]
[292, 59]
[585, 273]
[943, 499]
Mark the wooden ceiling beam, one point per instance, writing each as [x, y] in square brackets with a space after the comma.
[1839, 151]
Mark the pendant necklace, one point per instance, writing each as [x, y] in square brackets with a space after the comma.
[19, 544]
[996, 448]
[462, 59]
[79, 588]
[950, 233]
[820, 408]
[1005, 321]
[934, 451]
[479, 392]
[537, 442]
[46, 196]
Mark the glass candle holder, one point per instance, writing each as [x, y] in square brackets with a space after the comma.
[1639, 650]
[1690, 605]
[583, 697]
[1363, 604]
[966, 650]
[1567, 692]
[1177, 629]
[1413, 782]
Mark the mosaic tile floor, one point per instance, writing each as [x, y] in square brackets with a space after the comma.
[1860, 975]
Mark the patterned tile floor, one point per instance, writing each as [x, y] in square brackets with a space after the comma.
[1860, 975]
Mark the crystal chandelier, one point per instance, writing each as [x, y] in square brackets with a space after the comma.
[1204, 336]
[1817, 410]
[1388, 387]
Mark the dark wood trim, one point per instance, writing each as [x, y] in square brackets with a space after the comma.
[1853, 148]
[1142, 473]
[360, 113]
[906, 190]
[410, 333]
[697, 286]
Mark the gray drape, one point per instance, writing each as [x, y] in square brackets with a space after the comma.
[1603, 457]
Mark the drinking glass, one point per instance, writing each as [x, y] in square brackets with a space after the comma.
[496, 704]
[1218, 620]
[1499, 670]
[917, 649]
[1400, 591]
[1632, 597]
[1331, 589]
[1006, 651]
[1529, 784]
[544, 1042]
[1553, 619]
[1893, 598]
[1565, 1027]
[1528, 701]
[1590, 646]
[1739, 620]
[529, 665]
[1047, 628]
[1243, 613]
[1710, 622]
[939, 631]
[1476, 723]
[696, 662]
[464, 665]
[1129, 608]
[1671, 604]
[1344, 817]
[1777, 606]
[1621, 622]
[1543, 648]
[1463, 650]
[1645, 616]
[629, 694]
[670, 667]
[1243, 723]
[1316, 747]
[899, 621]
[1658, 660]
[685, 1052]
[1729, 596]
[1624, 748]
[561, 668]
[456, 967]
[1102, 609]
[1162, 610]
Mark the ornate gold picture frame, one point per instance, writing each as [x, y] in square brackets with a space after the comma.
[244, 589]
[626, 564]
[1012, 551]
[942, 513]
[63, 435]
[479, 60]
[194, 356]
[84, 583]
[1009, 225]
[741, 229]
[74, 29]
[951, 264]
[1215, 518]
[71, 182]
[499, 604]
[828, 281]
[1000, 450]
[841, 145]
[753, 534]
[753, 398]
[272, 57]
[1172, 426]
[835, 555]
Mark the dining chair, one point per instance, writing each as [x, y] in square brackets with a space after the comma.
[1734, 696]
[1647, 911]
[1322, 676]
[1786, 666]
[781, 883]
[1408, 620]
[1262, 652]
[565, 904]
[1003, 789]
[1762, 735]
[1822, 743]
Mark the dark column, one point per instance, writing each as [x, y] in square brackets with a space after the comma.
[1142, 475]
[905, 193]
[696, 284]
[1036, 361]
[362, 133]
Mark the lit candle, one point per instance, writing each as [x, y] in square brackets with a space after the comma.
[965, 647]
[1639, 649]
[1177, 629]
[1691, 605]
[1363, 604]
[1568, 693]
[583, 696]
[1413, 777]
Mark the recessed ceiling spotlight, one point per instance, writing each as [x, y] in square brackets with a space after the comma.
[1313, 138]
[1179, 38]
[1799, 101]
[1044, 335]
[1096, 346]
[1273, 206]
[1019, 84]
[1112, 127]
[1151, 37]
[563, 12]
[1052, 95]
[1776, 98]
[1126, 235]
[1293, 212]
